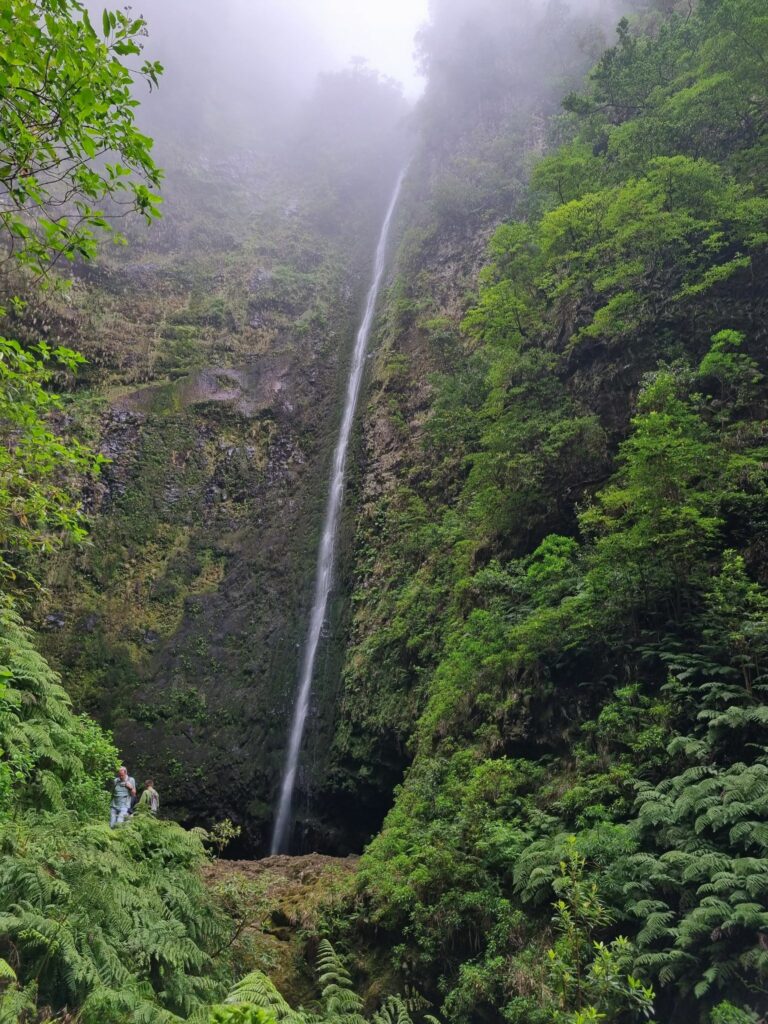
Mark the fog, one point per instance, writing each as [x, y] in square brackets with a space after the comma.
[330, 95]
[380, 31]
[242, 72]
[239, 72]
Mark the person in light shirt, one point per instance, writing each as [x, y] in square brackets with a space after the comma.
[123, 792]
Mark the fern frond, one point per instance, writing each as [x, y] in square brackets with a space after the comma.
[338, 997]
[257, 989]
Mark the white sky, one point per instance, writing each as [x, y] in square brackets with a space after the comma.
[381, 31]
[248, 54]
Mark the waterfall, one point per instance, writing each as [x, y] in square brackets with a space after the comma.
[326, 554]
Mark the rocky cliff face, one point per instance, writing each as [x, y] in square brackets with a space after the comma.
[214, 390]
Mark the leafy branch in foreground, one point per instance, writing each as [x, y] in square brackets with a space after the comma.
[71, 161]
[68, 138]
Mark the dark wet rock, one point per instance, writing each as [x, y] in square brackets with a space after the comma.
[198, 577]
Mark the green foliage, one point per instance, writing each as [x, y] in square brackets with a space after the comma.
[256, 1000]
[114, 922]
[587, 592]
[243, 1014]
[257, 990]
[686, 219]
[591, 979]
[221, 834]
[67, 109]
[51, 759]
[106, 919]
[339, 999]
[67, 99]
[15, 1003]
[38, 507]
[727, 1013]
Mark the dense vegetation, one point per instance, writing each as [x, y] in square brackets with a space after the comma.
[115, 923]
[559, 588]
[566, 579]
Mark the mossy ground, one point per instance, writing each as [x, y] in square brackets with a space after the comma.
[281, 906]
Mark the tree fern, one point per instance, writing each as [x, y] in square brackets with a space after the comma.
[393, 1011]
[114, 922]
[339, 1003]
[339, 998]
[257, 990]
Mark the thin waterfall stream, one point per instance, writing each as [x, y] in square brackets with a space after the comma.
[327, 553]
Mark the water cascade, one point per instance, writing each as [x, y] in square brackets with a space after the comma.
[326, 554]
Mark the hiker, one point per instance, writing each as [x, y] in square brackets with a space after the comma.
[150, 798]
[123, 792]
